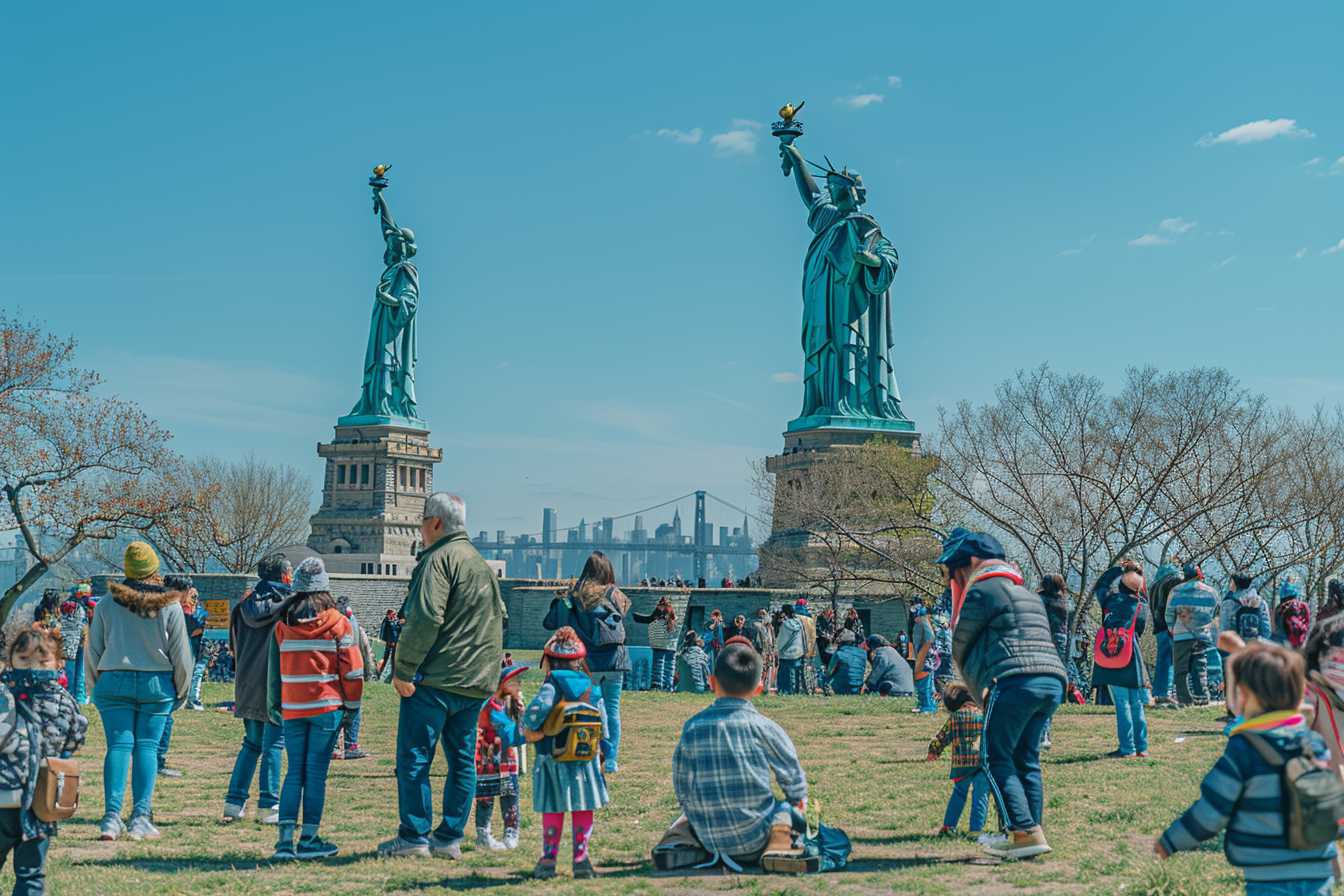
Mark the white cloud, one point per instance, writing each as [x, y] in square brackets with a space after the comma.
[1225, 262]
[1257, 132]
[895, 81]
[1335, 249]
[1177, 225]
[737, 142]
[1313, 162]
[1338, 166]
[678, 136]
[1149, 239]
[784, 377]
[1300, 253]
[748, 123]
[860, 100]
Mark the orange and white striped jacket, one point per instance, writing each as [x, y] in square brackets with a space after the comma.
[315, 667]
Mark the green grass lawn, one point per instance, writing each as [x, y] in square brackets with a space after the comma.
[864, 759]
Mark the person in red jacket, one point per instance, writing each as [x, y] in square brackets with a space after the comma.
[316, 673]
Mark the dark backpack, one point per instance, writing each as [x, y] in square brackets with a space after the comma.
[1313, 796]
[1246, 621]
[600, 629]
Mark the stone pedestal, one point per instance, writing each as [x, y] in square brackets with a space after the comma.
[378, 475]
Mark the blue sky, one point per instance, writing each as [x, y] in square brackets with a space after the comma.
[610, 257]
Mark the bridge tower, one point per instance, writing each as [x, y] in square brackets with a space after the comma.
[701, 541]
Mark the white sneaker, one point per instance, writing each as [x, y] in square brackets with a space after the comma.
[484, 840]
[1045, 744]
[272, 816]
[1021, 845]
[510, 838]
[988, 840]
[141, 828]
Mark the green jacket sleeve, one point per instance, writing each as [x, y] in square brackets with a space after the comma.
[273, 698]
[424, 609]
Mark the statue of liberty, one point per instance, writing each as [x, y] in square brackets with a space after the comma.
[847, 275]
[389, 357]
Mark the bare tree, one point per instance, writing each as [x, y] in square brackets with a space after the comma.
[248, 508]
[74, 465]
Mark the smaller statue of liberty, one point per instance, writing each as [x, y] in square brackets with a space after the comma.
[389, 358]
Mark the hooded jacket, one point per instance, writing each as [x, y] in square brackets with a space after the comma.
[693, 670]
[1253, 602]
[35, 711]
[314, 667]
[1002, 631]
[846, 669]
[139, 627]
[251, 625]
[791, 642]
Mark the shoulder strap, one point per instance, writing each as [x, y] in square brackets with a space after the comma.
[1267, 752]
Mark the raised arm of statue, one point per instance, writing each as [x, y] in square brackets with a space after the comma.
[384, 214]
[794, 163]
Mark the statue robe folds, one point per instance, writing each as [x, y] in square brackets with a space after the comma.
[847, 337]
[389, 357]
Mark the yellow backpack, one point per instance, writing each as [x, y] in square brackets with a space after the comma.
[575, 730]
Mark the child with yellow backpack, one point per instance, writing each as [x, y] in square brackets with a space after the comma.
[567, 723]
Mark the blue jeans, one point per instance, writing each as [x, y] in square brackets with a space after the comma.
[261, 741]
[609, 685]
[978, 785]
[1323, 887]
[134, 707]
[1164, 674]
[924, 693]
[30, 856]
[664, 665]
[427, 717]
[1131, 725]
[197, 675]
[787, 682]
[308, 744]
[1213, 659]
[165, 741]
[1019, 706]
[74, 677]
[351, 719]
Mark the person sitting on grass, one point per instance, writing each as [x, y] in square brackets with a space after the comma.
[962, 731]
[1244, 792]
[693, 670]
[891, 675]
[721, 774]
[849, 662]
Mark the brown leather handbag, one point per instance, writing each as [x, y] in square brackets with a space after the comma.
[57, 795]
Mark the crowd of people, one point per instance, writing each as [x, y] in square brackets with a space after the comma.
[1000, 657]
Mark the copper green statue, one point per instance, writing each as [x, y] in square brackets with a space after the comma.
[847, 277]
[388, 392]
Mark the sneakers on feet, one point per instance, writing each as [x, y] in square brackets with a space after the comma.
[284, 853]
[141, 828]
[1021, 845]
[584, 870]
[994, 839]
[445, 849]
[401, 848]
[110, 828]
[485, 840]
[196, 706]
[166, 772]
[610, 768]
[356, 753]
[1045, 743]
[545, 870]
[1141, 754]
[233, 813]
[945, 831]
[268, 816]
[315, 848]
[1116, 754]
[510, 838]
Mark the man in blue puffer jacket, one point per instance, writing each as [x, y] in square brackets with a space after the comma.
[1192, 613]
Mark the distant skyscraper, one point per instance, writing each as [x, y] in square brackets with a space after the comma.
[548, 518]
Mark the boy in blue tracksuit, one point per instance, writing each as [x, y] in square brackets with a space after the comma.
[1243, 793]
[1191, 617]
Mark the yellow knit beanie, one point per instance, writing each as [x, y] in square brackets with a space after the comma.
[141, 562]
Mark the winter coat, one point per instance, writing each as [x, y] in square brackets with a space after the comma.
[693, 671]
[46, 715]
[251, 624]
[591, 609]
[1192, 610]
[1325, 714]
[314, 667]
[890, 667]
[140, 628]
[791, 641]
[1232, 607]
[846, 669]
[1002, 631]
[72, 630]
[762, 636]
[1118, 609]
[1167, 577]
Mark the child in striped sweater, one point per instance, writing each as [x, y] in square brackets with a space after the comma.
[1244, 792]
[315, 673]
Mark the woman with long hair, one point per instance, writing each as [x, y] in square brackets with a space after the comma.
[595, 608]
[663, 630]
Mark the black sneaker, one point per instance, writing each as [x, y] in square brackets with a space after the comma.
[545, 870]
[584, 870]
[315, 848]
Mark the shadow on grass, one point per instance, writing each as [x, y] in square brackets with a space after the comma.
[1199, 734]
[894, 839]
[480, 881]
[227, 862]
[1075, 759]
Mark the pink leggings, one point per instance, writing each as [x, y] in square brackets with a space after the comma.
[553, 824]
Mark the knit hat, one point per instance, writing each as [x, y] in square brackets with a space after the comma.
[963, 544]
[140, 561]
[510, 672]
[311, 576]
[845, 637]
[1289, 589]
[565, 645]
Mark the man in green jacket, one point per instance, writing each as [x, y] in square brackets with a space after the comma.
[447, 664]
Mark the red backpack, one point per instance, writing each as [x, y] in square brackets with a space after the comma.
[1114, 646]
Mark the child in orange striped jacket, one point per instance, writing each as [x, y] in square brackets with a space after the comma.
[315, 674]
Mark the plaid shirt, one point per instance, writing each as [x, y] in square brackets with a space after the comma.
[721, 775]
[962, 730]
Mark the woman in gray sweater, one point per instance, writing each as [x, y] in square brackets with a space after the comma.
[140, 665]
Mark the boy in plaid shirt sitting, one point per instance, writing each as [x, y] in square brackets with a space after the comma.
[962, 730]
[721, 774]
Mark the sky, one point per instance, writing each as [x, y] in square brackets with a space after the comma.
[610, 257]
